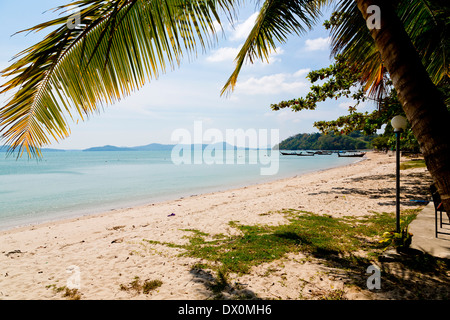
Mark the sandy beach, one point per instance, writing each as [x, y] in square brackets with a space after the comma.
[108, 251]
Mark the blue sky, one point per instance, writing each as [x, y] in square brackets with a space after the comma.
[192, 91]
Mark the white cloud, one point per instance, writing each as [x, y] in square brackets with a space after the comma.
[230, 53]
[239, 33]
[317, 44]
[286, 115]
[273, 84]
[273, 57]
[276, 83]
[217, 26]
[223, 54]
[301, 73]
[242, 30]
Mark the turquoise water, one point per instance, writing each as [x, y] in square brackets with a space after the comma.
[75, 183]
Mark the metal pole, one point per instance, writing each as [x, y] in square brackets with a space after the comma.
[397, 205]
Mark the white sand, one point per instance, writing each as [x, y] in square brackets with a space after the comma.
[109, 249]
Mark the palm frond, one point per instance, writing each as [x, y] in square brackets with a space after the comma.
[425, 21]
[119, 46]
[351, 39]
[276, 20]
[428, 24]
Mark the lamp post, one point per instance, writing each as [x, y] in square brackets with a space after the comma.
[399, 125]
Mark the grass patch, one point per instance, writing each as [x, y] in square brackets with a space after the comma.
[413, 164]
[70, 294]
[334, 295]
[196, 232]
[320, 235]
[138, 286]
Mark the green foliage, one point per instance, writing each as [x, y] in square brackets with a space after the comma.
[397, 239]
[412, 164]
[339, 80]
[381, 142]
[358, 73]
[318, 141]
[400, 239]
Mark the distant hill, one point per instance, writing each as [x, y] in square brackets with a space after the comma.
[148, 147]
[319, 141]
[154, 147]
[107, 148]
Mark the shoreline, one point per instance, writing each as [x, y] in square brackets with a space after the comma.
[107, 208]
[110, 248]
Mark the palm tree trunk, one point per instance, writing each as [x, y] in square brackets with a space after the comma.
[421, 101]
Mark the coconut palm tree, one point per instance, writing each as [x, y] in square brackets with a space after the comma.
[423, 105]
[421, 101]
[413, 47]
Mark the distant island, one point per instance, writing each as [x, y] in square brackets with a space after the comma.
[302, 141]
[319, 141]
[148, 147]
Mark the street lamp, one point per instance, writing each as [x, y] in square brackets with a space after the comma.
[399, 125]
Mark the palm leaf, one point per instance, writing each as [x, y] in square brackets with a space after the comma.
[119, 46]
[426, 23]
[351, 39]
[276, 20]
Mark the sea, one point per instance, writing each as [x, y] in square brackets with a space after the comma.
[70, 184]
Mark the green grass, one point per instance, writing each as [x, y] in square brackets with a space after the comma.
[319, 235]
[413, 164]
[138, 286]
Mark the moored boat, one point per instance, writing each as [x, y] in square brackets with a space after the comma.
[358, 154]
[289, 153]
[324, 153]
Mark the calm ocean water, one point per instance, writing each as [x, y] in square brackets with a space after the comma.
[75, 183]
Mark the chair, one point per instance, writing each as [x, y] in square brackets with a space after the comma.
[438, 206]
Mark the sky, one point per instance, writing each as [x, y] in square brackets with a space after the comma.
[191, 93]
